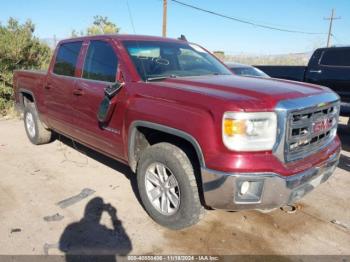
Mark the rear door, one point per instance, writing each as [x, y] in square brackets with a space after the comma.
[99, 70]
[60, 85]
[332, 69]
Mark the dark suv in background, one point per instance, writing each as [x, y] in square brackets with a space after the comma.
[327, 67]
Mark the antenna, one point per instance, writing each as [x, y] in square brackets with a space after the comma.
[183, 38]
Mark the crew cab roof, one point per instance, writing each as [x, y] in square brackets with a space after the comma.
[122, 37]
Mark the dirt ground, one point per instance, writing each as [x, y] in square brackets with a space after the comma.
[51, 199]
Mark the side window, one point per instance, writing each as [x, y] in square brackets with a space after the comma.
[66, 59]
[336, 57]
[101, 62]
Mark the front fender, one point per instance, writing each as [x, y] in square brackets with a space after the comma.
[195, 125]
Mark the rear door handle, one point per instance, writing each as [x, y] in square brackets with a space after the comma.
[48, 86]
[78, 92]
[316, 71]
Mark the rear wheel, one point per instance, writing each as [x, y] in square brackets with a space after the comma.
[35, 130]
[168, 187]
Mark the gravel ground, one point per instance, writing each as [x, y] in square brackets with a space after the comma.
[52, 196]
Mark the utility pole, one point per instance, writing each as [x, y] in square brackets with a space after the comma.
[330, 26]
[165, 7]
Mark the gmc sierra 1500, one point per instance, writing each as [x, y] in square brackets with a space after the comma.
[195, 134]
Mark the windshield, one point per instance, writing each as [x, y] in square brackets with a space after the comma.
[157, 59]
[248, 71]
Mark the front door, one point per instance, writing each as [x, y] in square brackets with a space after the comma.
[99, 70]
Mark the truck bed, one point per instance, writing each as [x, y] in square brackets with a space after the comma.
[29, 80]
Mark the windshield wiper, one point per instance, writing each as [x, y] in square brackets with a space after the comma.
[215, 74]
[160, 78]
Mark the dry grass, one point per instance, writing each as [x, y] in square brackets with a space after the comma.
[287, 59]
[11, 113]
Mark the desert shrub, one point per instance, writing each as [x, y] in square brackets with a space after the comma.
[19, 49]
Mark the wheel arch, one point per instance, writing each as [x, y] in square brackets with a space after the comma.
[25, 95]
[134, 140]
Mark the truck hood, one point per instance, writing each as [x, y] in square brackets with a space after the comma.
[258, 92]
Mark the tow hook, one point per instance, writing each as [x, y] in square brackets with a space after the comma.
[290, 209]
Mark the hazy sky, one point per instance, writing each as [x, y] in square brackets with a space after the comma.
[61, 17]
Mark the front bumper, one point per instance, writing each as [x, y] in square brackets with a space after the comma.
[266, 190]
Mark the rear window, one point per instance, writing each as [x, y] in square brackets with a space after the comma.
[101, 62]
[66, 59]
[336, 57]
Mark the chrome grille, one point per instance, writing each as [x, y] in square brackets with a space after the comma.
[308, 130]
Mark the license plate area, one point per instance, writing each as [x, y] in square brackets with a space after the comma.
[302, 190]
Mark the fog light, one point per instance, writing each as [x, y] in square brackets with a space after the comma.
[245, 187]
[248, 191]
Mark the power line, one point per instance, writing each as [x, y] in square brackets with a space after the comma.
[130, 17]
[246, 21]
[339, 40]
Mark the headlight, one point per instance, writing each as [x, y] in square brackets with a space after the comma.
[249, 131]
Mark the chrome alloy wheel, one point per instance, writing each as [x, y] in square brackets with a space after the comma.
[162, 189]
[30, 124]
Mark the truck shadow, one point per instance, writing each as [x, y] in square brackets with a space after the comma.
[110, 162]
[88, 240]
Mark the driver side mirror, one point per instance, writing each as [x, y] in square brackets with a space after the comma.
[107, 105]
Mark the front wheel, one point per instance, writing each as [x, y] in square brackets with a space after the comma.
[167, 186]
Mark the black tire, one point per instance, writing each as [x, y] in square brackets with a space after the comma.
[39, 135]
[176, 161]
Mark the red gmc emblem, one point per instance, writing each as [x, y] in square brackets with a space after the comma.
[321, 125]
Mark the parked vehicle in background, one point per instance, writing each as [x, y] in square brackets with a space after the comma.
[245, 70]
[195, 134]
[327, 67]
[295, 73]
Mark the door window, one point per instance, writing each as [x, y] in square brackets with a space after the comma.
[101, 62]
[336, 57]
[66, 59]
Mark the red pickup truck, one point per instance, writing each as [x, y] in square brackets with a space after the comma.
[196, 135]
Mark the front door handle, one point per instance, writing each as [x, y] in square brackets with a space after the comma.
[78, 92]
[316, 71]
